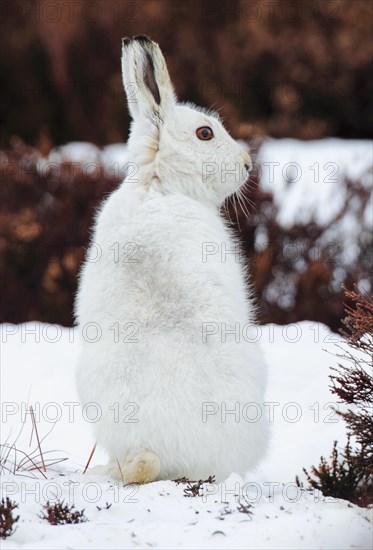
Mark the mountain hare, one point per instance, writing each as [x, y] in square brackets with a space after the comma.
[170, 365]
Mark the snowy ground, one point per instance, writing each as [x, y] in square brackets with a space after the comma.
[37, 368]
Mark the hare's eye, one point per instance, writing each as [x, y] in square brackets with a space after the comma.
[205, 133]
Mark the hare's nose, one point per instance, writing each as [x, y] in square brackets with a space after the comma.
[247, 161]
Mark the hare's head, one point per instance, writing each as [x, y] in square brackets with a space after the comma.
[178, 148]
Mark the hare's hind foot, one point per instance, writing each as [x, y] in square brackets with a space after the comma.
[144, 467]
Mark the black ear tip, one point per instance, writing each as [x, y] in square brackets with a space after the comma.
[142, 38]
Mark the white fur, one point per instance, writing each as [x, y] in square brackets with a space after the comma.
[162, 286]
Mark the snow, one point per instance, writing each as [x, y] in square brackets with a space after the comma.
[38, 363]
[317, 170]
[308, 184]
[114, 157]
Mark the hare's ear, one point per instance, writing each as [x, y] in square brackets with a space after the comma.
[146, 80]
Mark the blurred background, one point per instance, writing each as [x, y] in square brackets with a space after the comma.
[293, 80]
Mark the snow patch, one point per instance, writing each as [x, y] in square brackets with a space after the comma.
[38, 364]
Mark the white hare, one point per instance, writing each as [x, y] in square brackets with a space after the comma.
[169, 356]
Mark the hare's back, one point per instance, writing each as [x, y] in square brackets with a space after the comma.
[170, 259]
